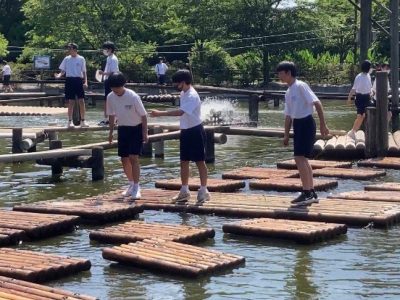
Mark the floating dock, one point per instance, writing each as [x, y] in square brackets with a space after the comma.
[383, 162]
[356, 173]
[213, 184]
[259, 173]
[383, 186]
[315, 164]
[379, 196]
[133, 231]
[176, 258]
[290, 184]
[38, 267]
[298, 231]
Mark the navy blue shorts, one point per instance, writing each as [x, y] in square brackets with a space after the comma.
[304, 136]
[107, 89]
[362, 102]
[74, 88]
[6, 79]
[192, 144]
[130, 140]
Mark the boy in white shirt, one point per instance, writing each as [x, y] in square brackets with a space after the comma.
[73, 67]
[161, 70]
[6, 71]
[125, 105]
[192, 138]
[110, 68]
[299, 104]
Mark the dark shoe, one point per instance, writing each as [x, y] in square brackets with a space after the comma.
[305, 199]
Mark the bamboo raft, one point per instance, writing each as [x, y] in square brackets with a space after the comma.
[259, 173]
[382, 162]
[379, 196]
[13, 289]
[11, 236]
[315, 164]
[137, 231]
[176, 258]
[290, 184]
[31, 111]
[341, 147]
[36, 225]
[101, 209]
[357, 212]
[357, 173]
[383, 186]
[298, 231]
[38, 267]
[213, 184]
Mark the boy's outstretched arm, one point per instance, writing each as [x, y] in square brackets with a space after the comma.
[322, 124]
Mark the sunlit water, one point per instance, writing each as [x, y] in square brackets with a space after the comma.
[363, 264]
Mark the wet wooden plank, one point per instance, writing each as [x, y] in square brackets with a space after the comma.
[315, 164]
[356, 173]
[137, 231]
[385, 163]
[179, 259]
[259, 173]
[384, 196]
[383, 186]
[290, 184]
[298, 231]
[213, 184]
[38, 267]
[11, 288]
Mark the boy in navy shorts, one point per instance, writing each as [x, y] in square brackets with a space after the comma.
[192, 138]
[125, 105]
[299, 104]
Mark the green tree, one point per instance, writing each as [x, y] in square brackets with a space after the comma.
[3, 45]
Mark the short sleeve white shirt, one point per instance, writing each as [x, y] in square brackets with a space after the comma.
[6, 70]
[299, 100]
[362, 84]
[127, 108]
[73, 66]
[111, 65]
[161, 69]
[190, 104]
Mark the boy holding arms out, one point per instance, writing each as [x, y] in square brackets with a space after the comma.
[125, 105]
[192, 139]
[299, 104]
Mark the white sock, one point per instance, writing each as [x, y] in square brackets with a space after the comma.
[136, 185]
[203, 188]
[131, 183]
[185, 188]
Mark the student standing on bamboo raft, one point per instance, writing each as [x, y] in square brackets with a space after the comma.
[299, 105]
[125, 105]
[192, 138]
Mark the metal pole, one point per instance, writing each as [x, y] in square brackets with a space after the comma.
[394, 61]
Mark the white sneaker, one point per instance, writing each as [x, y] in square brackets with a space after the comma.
[84, 124]
[182, 197]
[128, 191]
[203, 196]
[70, 124]
[135, 193]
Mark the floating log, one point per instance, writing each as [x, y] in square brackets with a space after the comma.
[213, 184]
[179, 259]
[298, 231]
[319, 145]
[380, 196]
[381, 162]
[359, 173]
[383, 186]
[38, 267]
[330, 144]
[315, 164]
[31, 111]
[12, 289]
[290, 184]
[57, 153]
[10, 236]
[137, 231]
[392, 146]
[259, 173]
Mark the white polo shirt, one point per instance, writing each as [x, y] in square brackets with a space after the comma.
[6, 70]
[111, 65]
[73, 66]
[128, 108]
[299, 100]
[161, 69]
[362, 84]
[190, 104]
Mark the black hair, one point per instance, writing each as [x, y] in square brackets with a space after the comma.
[365, 66]
[182, 75]
[72, 46]
[116, 80]
[287, 66]
[109, 45]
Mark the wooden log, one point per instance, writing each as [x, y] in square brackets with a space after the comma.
[396, 137]
[210, 147]
[340, 143]
[16, 140]
[360, 140]
[158, 146]
[370, 133]
[330, 144]
[381, 113]
[319, 145]
[392, 146]
[97, 163]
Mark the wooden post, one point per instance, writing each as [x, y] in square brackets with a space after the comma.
[253, 109]
[365, 34]
[370, 133]
[76, 114]
[394, 61]
[382, 113]
[276, 102]
[98, 163]
[52, 135]
[16, 140]
[158, 146]
[56, 168]
[210, 146]
[147, 150]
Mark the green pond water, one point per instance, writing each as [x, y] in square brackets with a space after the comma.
[363, 264]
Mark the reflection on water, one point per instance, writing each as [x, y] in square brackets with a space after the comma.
[363, 264]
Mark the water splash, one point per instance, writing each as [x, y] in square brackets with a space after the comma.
[219, 111]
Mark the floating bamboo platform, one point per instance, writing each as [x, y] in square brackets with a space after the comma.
[383, 186]
[13, 289]
[31, 111]
[315, 164]
[137, 231]
[383, 196]
[383, 162]
[357, 212]
[213, 184]
[259, 173]
[298, 231]
[179, 259]
[11, 236]
[357, 173]
[37, 225]
[290, 184]
[38, 267]
[341, 147]
[91, 210]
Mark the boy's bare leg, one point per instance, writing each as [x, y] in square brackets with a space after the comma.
[128, 168]
[358, 122]
[185, 172]
[70, 108]
[203, 172]
[135, 167]
[305, 171]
